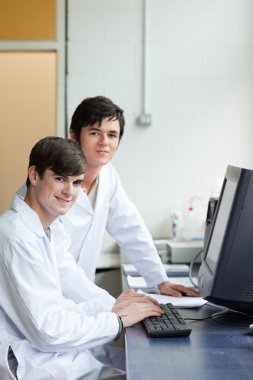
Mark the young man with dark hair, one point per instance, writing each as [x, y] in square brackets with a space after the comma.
[97, 125]
[51, 314]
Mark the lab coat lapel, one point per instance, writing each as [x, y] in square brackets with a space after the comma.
[32, 220]
[103, 187]
[83, 203]
[29, 216]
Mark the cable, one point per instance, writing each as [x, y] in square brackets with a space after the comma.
[191, 268]
[222, 310]
[231, 317]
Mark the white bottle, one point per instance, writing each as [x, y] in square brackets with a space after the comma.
[176, 225]
[193, 220]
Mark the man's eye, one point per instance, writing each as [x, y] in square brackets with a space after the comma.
[59, 179]
[78, 182]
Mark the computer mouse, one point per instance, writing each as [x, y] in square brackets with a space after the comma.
[251, 327]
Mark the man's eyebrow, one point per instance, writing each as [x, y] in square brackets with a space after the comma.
[99, 129]
[60, 175]
[95, 128]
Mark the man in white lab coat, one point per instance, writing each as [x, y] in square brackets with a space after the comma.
[98, 126]
[51, 314]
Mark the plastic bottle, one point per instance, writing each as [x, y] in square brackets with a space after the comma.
[176, 224]
[193, 220]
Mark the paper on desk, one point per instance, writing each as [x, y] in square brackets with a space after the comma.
[186, 302]
[139, 282]
[171, 269]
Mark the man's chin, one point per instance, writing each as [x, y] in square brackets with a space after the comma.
[63, 211]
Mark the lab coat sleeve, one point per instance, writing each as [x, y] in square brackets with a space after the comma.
[76, 286]
[32, 298]
[127, 227]
[75, 283]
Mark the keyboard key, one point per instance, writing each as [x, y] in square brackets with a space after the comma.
[170, 324]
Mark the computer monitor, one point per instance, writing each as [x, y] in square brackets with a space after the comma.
[226, 272]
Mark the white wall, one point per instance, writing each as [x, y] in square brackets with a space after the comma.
[200, 92]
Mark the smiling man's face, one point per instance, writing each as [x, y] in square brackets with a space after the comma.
[99, 142]
[52, 194]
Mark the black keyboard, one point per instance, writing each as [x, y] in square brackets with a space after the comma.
[170, 324]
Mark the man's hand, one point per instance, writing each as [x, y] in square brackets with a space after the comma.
[137, 311]
[175, 290]
[129, 297]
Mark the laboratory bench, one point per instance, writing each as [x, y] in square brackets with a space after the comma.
[220, 346]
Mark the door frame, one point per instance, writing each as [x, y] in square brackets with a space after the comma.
[58, 46]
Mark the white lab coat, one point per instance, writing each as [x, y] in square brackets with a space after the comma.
[116, 214]
[50, 312]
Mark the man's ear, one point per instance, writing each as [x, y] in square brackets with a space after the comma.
[32, 174]
[72, 135]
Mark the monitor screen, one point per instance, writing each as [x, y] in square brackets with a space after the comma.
[226, 274]
[220, 224]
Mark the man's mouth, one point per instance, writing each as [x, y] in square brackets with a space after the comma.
[62, 200]
[102, 152]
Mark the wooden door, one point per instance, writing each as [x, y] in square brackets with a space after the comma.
[27, 113]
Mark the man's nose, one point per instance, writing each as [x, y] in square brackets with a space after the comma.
[103, 139]
[68, 189]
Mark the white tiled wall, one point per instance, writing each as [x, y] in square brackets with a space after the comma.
[200, 91]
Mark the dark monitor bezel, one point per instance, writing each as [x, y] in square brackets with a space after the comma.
[217, 284]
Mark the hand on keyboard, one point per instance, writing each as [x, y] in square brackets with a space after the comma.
[137, 311]
[170, 324]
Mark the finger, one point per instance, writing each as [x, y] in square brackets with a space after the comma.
[153, 307]
[174, 293]
[130, 291]
[151, 299]
[154, 311]
[133, 294]
[171, 291]
[144, 300]
[192, 292]
[185, 291]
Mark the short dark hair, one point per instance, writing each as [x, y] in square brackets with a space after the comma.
[58, 154]
[93, 110]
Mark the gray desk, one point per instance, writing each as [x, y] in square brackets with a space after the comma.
[216, 349]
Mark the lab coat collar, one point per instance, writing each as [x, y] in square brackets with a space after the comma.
[83, 202]
[29, 216]
[103, 186]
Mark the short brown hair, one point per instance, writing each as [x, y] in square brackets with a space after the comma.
[94, 110]
[60, 155]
